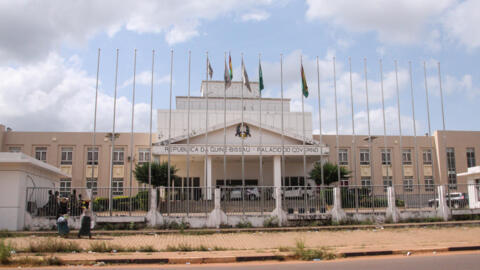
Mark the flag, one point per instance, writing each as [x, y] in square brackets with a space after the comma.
[230, 66]
[210, 69]
[260, 78]
[245, 77]
[304, 82]
[228, 80]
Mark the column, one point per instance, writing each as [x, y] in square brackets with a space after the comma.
[277, 171]
[208, 180]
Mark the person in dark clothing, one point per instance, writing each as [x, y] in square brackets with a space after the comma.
[85, 224]
[56, 206]
[51, 204]
[73, 203]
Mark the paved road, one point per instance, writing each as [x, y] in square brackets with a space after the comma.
[456, 261]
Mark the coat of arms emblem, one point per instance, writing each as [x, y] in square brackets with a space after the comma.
[243, 132]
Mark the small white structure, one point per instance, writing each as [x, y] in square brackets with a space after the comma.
[473, 181]
[17, 172]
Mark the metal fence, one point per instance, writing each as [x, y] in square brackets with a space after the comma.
[416, 196]
[364, 198]
[248, 200]
[457, 196]
[185, 201]
[52, 202]
[307, 200]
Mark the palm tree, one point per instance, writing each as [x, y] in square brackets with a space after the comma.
[330, 173]
[159, 173]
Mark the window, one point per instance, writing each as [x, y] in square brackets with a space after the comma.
[408, 184]
[294, 181]
[427, 156]
[429, 183]
[117, 186]
[387, 182]
[41, 153]
[92, 184]
[452, 174]
[364, 157]
[344, 182]
[407, 157]
[386, 157]
[343, 156]
[67, 156]
[65, 187]
[92, 156]
[143, 155]
[366, 182]
[118, 156]
[14, 149]
[470, 157]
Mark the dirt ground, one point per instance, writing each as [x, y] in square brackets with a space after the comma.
[344, 240]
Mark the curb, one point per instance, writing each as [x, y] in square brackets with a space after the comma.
[251, 230]
[234, 259]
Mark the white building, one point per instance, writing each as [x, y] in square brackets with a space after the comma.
[261, 136]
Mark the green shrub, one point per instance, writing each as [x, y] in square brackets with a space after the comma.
[5, 252]
[271, 222]
[244, 224]
[302, 253]
[6, 234]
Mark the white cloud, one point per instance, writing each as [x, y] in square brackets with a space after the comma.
[462, 23]
[32, 29]
[256, 15]
[145, 78]
[55, 95]
[402, 21]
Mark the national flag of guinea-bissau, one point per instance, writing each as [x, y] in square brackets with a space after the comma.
[304, 82]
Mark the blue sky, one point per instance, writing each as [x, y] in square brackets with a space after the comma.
[49, 54]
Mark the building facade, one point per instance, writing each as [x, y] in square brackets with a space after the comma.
[248, 128]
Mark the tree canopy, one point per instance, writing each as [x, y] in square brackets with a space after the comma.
[159, 173]
[330, 173]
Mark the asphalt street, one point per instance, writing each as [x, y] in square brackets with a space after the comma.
[456, 261]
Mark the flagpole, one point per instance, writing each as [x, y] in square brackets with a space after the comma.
[443, 114]
[188, 132]
[283, 128]
[320, 125]
[131, 131]
[260, 118]
[384, 124]
[368, 120]
[206, 131]
[429, 126]
[169, 180]
[225, 128]
[336, 119]
[243, 154]
[95, 121]
[150, 132]
[399, 121]
[113, 136]
[354, 157]
[303, 131]
[414, 124]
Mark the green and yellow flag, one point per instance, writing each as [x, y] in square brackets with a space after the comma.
[304, 82]
[260, 78]
[230, 71]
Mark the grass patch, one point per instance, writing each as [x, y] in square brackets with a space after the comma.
[5, 252]
[303, 253]
[52, 245]
[271, 222]
[284, 249]
[183, 247]
[244, 224]
[104, 247]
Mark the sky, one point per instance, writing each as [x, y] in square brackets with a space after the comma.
[48, 59]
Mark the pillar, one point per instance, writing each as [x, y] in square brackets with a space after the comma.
[217, 216]
[208, 180]
[473, 200]
[277, 189]
[153, 216]
[392, 212]
[337, 212]
[442, 211]
[277, 171]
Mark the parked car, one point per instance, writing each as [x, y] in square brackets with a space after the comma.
[454, 199]
[299, 191]
[250, 193]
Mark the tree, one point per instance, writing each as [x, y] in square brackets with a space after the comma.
[330, 173]
[159, 173]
